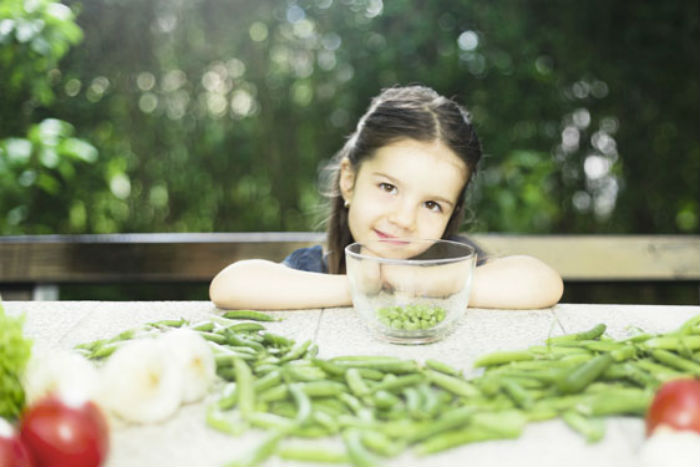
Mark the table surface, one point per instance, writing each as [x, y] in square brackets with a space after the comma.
[185, 438]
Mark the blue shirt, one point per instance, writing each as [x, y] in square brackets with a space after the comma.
[312, 258]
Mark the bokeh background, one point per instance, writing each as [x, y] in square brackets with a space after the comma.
[216, 115]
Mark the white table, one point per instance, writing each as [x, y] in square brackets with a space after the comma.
[186, 440]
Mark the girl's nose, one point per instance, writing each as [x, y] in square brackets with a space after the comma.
[404, 216]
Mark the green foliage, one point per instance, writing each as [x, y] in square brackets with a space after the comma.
[40, 172]
[15, 350]
[216, 116]
[34, 36]
[40, 169]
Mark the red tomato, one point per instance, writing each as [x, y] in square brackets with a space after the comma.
[60, 434]
[13, 453]
[676, 404]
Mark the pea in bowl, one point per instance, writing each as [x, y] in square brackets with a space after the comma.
[410, 291]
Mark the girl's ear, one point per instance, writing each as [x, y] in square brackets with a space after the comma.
[347, 179]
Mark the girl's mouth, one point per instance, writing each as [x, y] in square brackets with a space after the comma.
[390, 238]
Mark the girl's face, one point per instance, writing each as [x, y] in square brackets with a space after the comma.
[407, 189]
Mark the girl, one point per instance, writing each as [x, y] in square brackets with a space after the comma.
[402, 173]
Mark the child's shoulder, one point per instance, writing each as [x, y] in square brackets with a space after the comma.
[307, 259]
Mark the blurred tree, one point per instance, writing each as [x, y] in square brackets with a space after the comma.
[215, 115]
[41, 167]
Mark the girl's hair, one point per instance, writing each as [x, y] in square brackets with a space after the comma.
[414, 112]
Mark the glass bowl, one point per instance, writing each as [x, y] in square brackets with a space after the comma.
[410, 291]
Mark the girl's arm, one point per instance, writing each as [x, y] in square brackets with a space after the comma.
[265, 285]
[515, 282]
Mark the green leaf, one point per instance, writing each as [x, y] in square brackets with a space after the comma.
[19, 150]
[79, 149]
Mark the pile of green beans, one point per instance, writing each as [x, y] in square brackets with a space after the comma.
[380, 406]
[411, 317]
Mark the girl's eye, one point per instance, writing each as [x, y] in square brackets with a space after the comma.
[433, 206]
[387, 187]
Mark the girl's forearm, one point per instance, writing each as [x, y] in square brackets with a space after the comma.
[265, 285]
[515, 282]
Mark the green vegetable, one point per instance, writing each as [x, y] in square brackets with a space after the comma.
[411, 317]
[382, 405]
[15, 350]
[248, 314]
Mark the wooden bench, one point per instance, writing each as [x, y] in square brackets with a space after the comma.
[35, 266]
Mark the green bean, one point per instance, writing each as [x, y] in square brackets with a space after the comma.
[455, 385]
[269, 380]
[260, 453]
[206, 326]
[500, 358]
[539, 413]
[351, 421]
[602, 346]
[249, 314]
[384, 399]
[103, 352]
[592, 333]
[358, 454]
[674, 343]
[170, 323]
[228, 397]
[323, 388]
[277, 341]
[399, 382]
[270, 421]
[265, 368]
[632, 373]
[297, 373]
[368, 373]
[303, 403]
[283, 407]
[517, 393]
[556, 351]
[660, 372]
[575, 380]
[296, 352]
[507, 423]
[451, 439]
[385, 364]
[325, 420]
[355, 382]
[443, 368]
[378, 442]
[246, 327]
[245, 388]
[559, 403]
[330, 405]
[276, 393]
[676, 361]
[218, 421]
[637, 338]
[624, 353]
[430, 400]
[351, 401]
[312, 431]
[226, 373]
[234, 339]
[210, 336]
[448, 421]
[413, 402]
[630, 401]
[311, 453]
[592, 428]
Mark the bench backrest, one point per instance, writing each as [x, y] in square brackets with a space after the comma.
[197, 257]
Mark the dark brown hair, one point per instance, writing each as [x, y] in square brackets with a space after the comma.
[415, 112]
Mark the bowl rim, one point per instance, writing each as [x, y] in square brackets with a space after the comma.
[471, 254]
